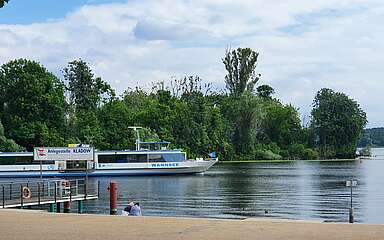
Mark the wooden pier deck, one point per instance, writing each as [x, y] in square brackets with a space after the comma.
[33, 225]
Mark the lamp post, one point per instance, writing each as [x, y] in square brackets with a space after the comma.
[351, 183]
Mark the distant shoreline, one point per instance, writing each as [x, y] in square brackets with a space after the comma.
[291, 160]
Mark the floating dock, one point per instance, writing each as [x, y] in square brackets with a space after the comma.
[20, 194]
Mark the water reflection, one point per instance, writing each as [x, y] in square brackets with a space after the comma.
[297, 190]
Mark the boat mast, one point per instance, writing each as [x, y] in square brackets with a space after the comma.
[136, 129]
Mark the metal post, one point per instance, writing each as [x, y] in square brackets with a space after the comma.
[77, 187]
[80, 207]
[3, 197]
[38, 193]
[67, 205]
[10, 191]
[351, 218]
[48, 189]
[86, 179]
[98, 189]
[21, 196]
[85, 190]
[41, 170]
[351, 183]
[70, 192]
[55, 192]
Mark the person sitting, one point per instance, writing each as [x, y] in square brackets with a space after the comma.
[135, 210]
[127, 209]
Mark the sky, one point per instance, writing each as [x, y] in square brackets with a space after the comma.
[304, 45]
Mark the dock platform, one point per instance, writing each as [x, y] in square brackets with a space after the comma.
[19, 194]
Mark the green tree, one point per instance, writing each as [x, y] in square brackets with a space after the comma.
[8, 145]
[85, 90]
[338, 123]
[2, 3]
[115, 119]
[265, 91]
[281, 124]
[32, 104]
[372, 137]
[244, 114]
[240, 65]
[86, 94]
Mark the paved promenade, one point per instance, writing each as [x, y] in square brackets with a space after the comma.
[25, 225]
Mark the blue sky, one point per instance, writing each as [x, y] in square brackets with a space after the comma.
[304, 45]
[31, 11]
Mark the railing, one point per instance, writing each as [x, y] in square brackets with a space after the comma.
[38, 192]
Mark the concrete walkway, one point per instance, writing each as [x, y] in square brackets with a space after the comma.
[36, 225]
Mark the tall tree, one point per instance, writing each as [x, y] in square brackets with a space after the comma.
[338, 123]
[241, 67]
[86, 93]
[32, 104]
[244, 114]
[85, 90]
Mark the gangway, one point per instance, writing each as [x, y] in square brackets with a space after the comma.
[14, 194]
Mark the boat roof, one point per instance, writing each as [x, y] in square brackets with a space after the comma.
[162, 142]
[138, 151]
[16, 154]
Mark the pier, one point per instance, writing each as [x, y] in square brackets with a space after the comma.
[21, 194]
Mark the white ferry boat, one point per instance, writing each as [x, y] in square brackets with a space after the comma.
[153, 159]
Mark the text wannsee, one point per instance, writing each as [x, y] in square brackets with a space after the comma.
[75, 150]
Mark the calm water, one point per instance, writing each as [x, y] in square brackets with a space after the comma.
[297, 190]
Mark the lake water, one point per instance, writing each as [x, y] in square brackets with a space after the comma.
[295, 190]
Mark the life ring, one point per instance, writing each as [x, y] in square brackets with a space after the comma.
[27, 194]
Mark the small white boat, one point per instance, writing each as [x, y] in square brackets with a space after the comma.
[149, 158]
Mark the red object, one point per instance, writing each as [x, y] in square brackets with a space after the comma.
[67, 207]
[113, 198]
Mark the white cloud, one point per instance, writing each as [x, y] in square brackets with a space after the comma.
[304, 45]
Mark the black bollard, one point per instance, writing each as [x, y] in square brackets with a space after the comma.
[351, 218]
[58, 207]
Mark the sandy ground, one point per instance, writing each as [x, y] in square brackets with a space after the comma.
[19, 224]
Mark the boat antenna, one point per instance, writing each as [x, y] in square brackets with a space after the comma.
[136, 129]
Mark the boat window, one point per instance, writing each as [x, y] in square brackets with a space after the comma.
[155, 158]
[174, 157]
[123, 158]
[137, 158]
[106, 158]
[20, 160]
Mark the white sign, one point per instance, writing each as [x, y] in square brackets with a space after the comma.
[351, 183]
[63, 154]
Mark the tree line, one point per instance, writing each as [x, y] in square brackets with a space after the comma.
[244, 121]
[372, 137]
